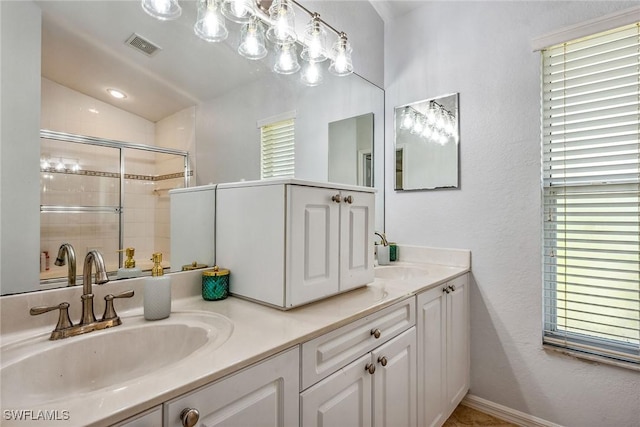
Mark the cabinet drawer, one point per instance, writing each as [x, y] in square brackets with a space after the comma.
[326, 354]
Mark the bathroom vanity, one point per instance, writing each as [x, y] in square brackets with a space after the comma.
[393, 352]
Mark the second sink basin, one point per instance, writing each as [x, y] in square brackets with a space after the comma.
[38, 371]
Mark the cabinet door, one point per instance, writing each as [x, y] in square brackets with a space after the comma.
[312, 252]
[150, 418]
[356, 239]
[265, 394]
[432, 367]
[394, 382]
[342, 399]
[457, 341]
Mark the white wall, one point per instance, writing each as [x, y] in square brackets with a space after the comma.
[20, 139]
[483, 51]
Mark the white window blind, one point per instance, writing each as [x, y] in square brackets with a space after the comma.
[591, 193]
[277, 158]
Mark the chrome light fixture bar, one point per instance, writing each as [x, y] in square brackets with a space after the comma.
[279, 18]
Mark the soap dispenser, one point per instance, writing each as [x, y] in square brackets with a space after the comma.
[157, 292]
[129, 270]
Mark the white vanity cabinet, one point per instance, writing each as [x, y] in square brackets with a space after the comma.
[367, 371]
[150, 418]
[443, 350]
[287, 243]
[265, 394]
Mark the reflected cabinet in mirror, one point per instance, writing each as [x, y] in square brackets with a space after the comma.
[427, 141]
[200, 103]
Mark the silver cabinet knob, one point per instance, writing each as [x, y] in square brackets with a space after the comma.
[189, 417]
[348, 199]
[382, 360]
[336, 198]
[376, 333]
[371, 368]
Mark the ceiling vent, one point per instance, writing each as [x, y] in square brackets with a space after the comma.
[142, 45]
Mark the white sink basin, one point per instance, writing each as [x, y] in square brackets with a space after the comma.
[400, 272]
[38, 371]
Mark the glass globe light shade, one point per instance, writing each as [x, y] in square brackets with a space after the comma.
[164, 10]
[286, 59]
[315, 40]
[210, 25]
[282, 28]
[252, 40]
[406, 119]
[418, 124]
[341, 64]
[311, 74]
[240, 11]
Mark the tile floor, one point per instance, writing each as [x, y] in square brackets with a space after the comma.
[464, 416]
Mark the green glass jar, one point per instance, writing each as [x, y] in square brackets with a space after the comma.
[393, 251]
[215, 284]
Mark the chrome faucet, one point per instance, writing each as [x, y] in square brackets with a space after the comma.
[67, 249]
[88, 323]
[93, 257]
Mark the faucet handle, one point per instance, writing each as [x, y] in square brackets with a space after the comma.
[109, 311]
[64, 321]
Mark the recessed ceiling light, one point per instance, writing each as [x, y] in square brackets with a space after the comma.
[116, 93]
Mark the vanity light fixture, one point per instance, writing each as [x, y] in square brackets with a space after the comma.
[311, 74]
[240, 11]
[281, 32]
[287, 59]
[406, 119]
[117, 93]
[164, 10]
[252, 45]
[341, 64]
[210, 25]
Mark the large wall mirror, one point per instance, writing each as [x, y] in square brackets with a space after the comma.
[189, 96]
[427, 143]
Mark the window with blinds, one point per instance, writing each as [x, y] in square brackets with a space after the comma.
[591, 194]
[277, 154]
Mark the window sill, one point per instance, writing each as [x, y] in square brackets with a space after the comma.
[591, 357]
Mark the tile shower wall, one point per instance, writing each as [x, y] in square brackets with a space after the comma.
[145, 198]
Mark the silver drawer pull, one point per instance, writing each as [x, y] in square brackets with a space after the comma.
[189, 417]
[376, 333]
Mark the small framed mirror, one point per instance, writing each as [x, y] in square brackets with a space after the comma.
[427, 141]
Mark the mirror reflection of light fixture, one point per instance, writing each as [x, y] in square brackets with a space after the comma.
[406, 120]
[282, 29]
[210, 25]
[286, 59]
[240, 11]
[252, 40]
[311, 74]
[315, 39]
[164, 10]
[341, 64]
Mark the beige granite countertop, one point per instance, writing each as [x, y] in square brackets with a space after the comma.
[258, 332]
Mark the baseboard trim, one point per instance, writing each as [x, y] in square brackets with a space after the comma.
[505, 413]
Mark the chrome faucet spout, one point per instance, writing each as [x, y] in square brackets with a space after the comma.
[93, 257]
[67, 249]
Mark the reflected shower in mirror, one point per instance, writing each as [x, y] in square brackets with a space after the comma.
[351, 150]
[427, 143]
